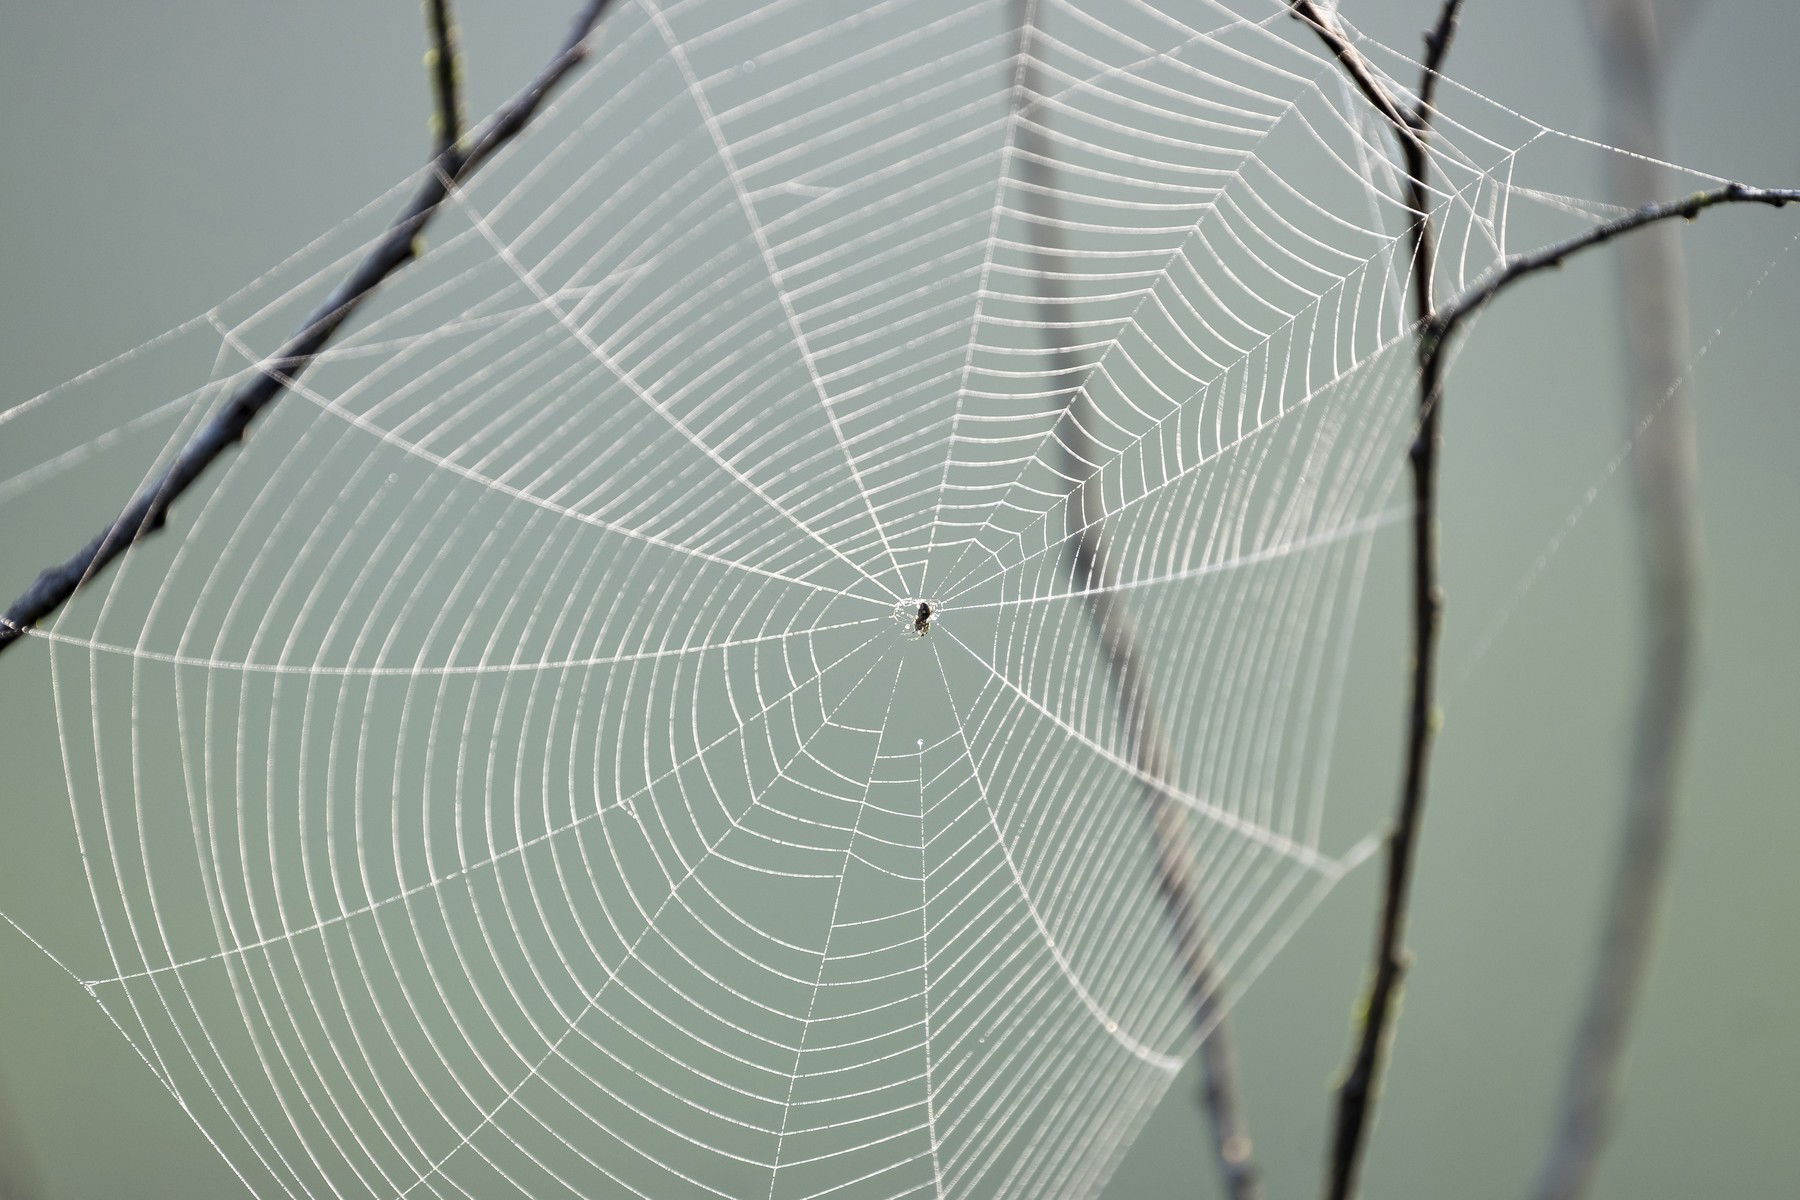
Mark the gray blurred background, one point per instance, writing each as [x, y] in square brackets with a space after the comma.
[158, 156]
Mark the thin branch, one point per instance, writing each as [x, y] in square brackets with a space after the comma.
[1411, 124]
[1177, 883]
[1437, 48]
[1521, 266]
[444, 63]
[148, 509]
[1361, 72]
[1659, 413]
[1411, 121]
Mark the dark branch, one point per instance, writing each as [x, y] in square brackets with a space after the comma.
[1653, 29]
[1361, 72]
[1437, 48]
[1518, 268]
[148, 510]
[1411, 121]
[1178, 885]
[444, 62]
[510, 121]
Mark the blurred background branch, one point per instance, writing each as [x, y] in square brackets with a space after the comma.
[1659, 413]
[1177, 882]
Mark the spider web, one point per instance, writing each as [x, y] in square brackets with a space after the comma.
[517, 773]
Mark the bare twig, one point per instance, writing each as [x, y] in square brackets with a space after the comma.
[1177, 883]
[444, 62]
[1437, 48]
[1411, 122]
[148, 509]
[1361, 72]
[1659, 411]
[1521, 266]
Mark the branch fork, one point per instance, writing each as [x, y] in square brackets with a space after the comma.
[1410, 120]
